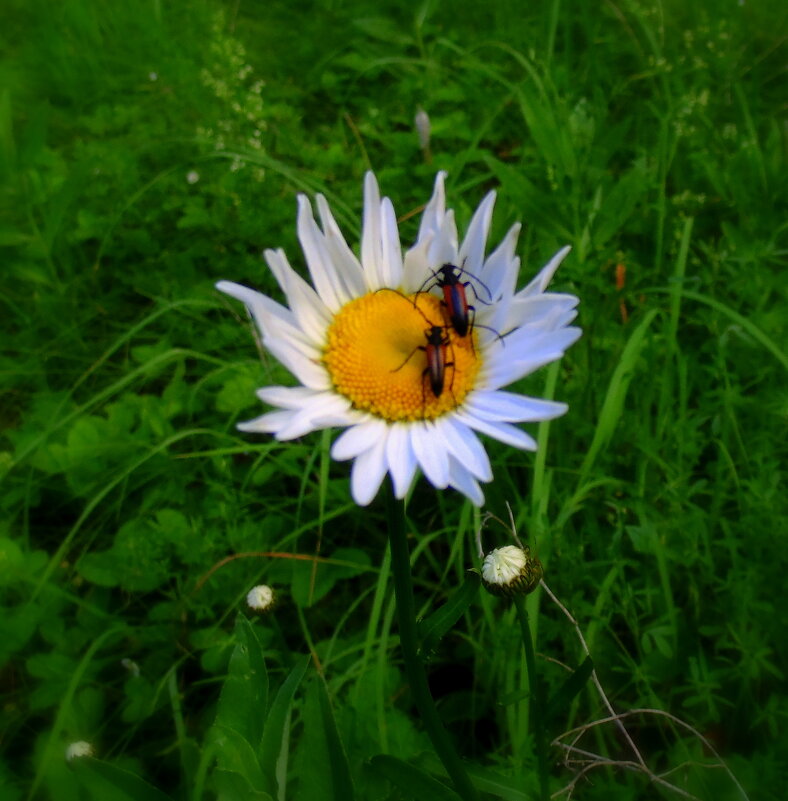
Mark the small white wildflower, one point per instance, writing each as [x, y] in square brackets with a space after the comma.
[152, 76]
[78, 749]
[422, 123]
[131, 666]
[511, 571]
[260, 598]
[192, 177]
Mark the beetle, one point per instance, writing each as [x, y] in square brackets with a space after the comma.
[455, 297]
[435, 350]
[437, 342]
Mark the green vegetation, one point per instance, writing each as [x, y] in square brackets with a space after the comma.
[149, 149]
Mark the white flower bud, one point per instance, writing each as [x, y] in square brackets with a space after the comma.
[192, 177]
[422, 123]
[260, 598]
[78, 749]
[131, 666]
[511, 571]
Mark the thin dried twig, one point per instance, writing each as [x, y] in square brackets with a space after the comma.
[596, 760]
[594, 676]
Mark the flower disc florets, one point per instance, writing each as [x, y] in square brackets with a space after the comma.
[511, 571]
[376, 356]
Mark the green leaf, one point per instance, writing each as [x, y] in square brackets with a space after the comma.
[276, 727]
[232, 786]
[523, 787]
[324, 774]
[415, 782]
[107, 782]
[340, 775]
[244, 698]
[514, 697]
[570, 688]
[11, 561]
[439, 622]
[236, 755]
[311, 582]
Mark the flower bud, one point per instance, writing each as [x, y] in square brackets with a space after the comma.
[78, 749]
[260, 598]
[131, 666]
[422, 123]
[511, 571]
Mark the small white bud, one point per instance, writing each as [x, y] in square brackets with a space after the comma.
[131, 666]
[152, 76]
[511, 571]
[78, 749]
[260, 598]
[192, 177]
[422, 123]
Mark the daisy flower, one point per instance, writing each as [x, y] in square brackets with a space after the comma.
[356, 341]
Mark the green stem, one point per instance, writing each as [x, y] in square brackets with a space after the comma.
[535, 694]
[414, 667]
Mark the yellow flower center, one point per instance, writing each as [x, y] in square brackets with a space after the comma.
[379, 350]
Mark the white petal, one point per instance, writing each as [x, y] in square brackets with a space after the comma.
[358, 439]
[430, 453]
[368, 472]
[316, 412]
[471, 254]
[465, 447]
[401, 459]
[501, 372]
[432, 219]
[391, 250]
[286, 397]
[348, 266]
[321, 267]
[526, 345]
[500, 270]
[326, 407]
[371, 235]
[501, 431]
[270, 316]
[506, 406]
[491, 322]
[305, 369]
[415, 267]
[284, 424]
[298, 426]
[275, 327]
[443, 247]
[237, 291]
[547, 311]
[309, 310]
[463, 482]
[255, 302]
[268, 423]
[545, 275]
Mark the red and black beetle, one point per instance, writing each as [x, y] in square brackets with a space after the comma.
[455, 297]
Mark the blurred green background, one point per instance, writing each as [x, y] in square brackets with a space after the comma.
[149, 149]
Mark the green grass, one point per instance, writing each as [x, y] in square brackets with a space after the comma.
[149, 149]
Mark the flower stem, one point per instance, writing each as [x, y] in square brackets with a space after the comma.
[535, 694]
[414, 667]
